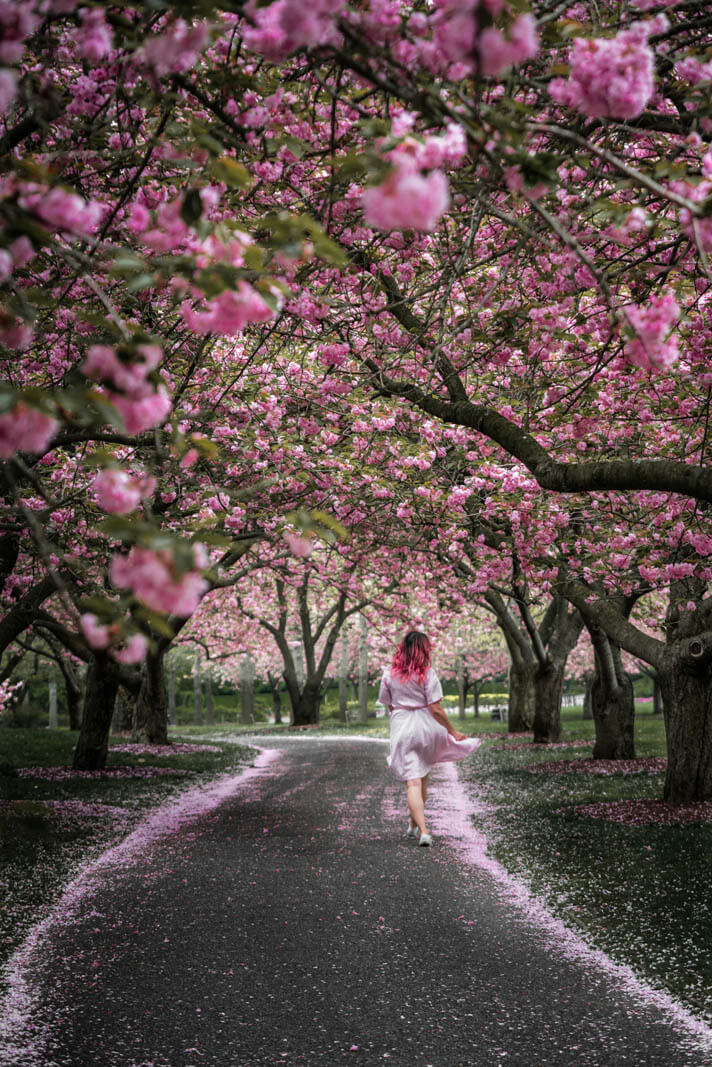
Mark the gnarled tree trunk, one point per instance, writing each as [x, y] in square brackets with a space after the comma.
[686, 682]
[150, 719]
[612, 700]
[93, 742]
[548, 687]
[521, 696]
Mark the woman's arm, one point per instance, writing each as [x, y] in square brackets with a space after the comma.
[436, 710]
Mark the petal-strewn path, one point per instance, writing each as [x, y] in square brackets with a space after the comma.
[295, 924]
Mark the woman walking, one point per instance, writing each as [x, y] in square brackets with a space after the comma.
[421, 733]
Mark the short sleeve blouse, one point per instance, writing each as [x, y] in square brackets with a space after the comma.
[410, 694]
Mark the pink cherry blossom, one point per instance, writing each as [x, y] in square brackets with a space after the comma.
[17, 22]
[8, 89]
[25, 429]
[407, 199]
[498, 52]
[119, 492]
[133, 651]
[103, 364]
[94, 38]
[62, 209]
[176, 50]
[653, 346]
[96, 634]
[298, 546]
[152, 578]
[145, 413]
[228, 313]
[612, 77]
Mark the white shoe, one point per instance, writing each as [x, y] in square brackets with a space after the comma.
[413, 831]
[426, 839]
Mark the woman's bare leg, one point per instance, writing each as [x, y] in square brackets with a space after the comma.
[415, 803]
[424, 789]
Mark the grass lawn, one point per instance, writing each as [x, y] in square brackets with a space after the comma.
[49, 828]
[642, 893]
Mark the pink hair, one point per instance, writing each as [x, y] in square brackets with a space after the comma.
[412, 657]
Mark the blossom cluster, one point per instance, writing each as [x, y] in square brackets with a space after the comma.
[141, 404]
[152, 578]
[610, 77]
[654, 346]
[25, 429]
[119, 492]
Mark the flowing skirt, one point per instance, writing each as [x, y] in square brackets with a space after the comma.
[418, 742]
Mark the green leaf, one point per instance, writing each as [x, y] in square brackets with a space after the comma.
[158, 623]
[324, 519]
[192, 207]
[228, 170]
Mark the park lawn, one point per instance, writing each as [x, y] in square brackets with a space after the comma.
[642, 893]
[49, 829]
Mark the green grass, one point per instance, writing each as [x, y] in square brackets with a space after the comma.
[41, 852]
[640, 893]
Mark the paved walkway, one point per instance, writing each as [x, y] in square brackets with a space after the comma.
[296, 925]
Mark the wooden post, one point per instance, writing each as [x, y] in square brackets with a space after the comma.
[209, 706]
[197, 691]
[344, 678]
[460, 671]
[172, 691]
[362, 671]
[247, 689]
[52, 684]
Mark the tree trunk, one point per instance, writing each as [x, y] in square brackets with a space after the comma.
[276, 702]
[209, 705]
[362, 715]
[548, 686]
[587, 705]
[612, 699]
[197, 692]
[306, 711]
[74, 692]
[687, 705]
[172, 718]
[93, 741]
[344, 679]
[614, 719]
[52, 687]
[460, 673]
[150, 720]
[247, 690]
[657, 696]
[476, 700]
[122, 719]
[521, 697]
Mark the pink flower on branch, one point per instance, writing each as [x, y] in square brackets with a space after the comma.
[498, 52]
[407, 199]
[176, 50]
[145, 413]
[102, 636]
[301, 547]
[153, 578]
[610, 77]
[119, 492]
[61, 209]
[128, 373]
[94, 38]
[25, 429]
[653, 346]
[229, 312]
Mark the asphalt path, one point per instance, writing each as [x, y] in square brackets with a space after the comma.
[296, 924]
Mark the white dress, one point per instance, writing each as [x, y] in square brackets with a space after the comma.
[418, 741]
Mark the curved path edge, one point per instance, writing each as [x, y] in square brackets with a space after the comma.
[451, 817]
[17, 1004]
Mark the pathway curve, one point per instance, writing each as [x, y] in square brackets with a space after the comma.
[295, 924]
